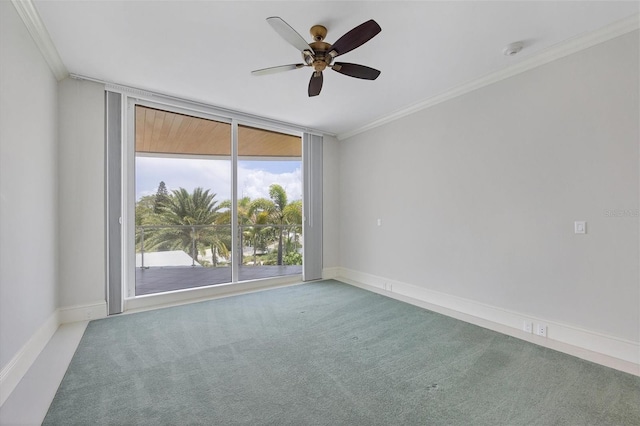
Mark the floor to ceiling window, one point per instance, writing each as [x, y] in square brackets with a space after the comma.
[182, 193]
[269, 203]
[185, 202]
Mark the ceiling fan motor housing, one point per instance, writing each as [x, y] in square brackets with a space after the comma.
[321, 59]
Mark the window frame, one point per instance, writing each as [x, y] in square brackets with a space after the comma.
[131, 98]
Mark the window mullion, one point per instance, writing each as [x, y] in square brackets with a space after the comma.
[234, 203]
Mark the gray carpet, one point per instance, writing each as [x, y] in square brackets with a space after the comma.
[327, 354]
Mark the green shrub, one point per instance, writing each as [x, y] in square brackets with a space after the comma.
[293, 258]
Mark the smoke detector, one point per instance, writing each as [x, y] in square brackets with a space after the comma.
[512, 48]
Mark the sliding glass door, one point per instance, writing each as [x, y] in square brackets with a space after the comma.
[269, 206]
[215, 202]
[182, 201]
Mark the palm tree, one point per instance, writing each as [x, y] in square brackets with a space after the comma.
[293, 216]
[259, 217]
[187, 214]
[143, 216]
[242, 209]
[283, 213]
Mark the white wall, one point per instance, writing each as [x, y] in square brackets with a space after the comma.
[478, 195]
[82, 193]
[330, 203]
[28, 186]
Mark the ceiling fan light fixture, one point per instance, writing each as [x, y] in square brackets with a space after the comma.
[513, 48]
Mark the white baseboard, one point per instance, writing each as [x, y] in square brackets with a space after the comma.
[596, 347]
[14, 370]
[86, 312]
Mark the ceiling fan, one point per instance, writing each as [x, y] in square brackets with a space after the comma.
[320, 54]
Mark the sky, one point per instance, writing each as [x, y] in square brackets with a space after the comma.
[254, 177]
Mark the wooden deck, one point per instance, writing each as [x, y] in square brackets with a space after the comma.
[170, 278]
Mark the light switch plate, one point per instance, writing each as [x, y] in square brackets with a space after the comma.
[580, 227]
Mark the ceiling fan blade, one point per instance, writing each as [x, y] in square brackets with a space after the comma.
[315, 84]
[289, 34]
[355, 38]
[355, 70]
[274, 70]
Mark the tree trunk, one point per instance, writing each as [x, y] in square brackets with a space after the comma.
[255, 251]
[280, 248]
[241, 242]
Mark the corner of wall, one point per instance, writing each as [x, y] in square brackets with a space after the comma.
[86, 312]
[17, 367]
[81, 183]
[29, 150]
[599, 348]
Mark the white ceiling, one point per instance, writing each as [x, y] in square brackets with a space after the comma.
[205, 50]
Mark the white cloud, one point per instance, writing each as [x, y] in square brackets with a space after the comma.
[255, 183]
[215, 175]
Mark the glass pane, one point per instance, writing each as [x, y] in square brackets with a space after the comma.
[269, 204]
[183, 192]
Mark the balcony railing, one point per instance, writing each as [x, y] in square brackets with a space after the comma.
[210, 245]
[176, 257]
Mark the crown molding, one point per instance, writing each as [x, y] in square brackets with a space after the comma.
[560, 50]
[29, 15]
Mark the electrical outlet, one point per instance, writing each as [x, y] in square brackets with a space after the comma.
[527, 327]
[541, 330]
